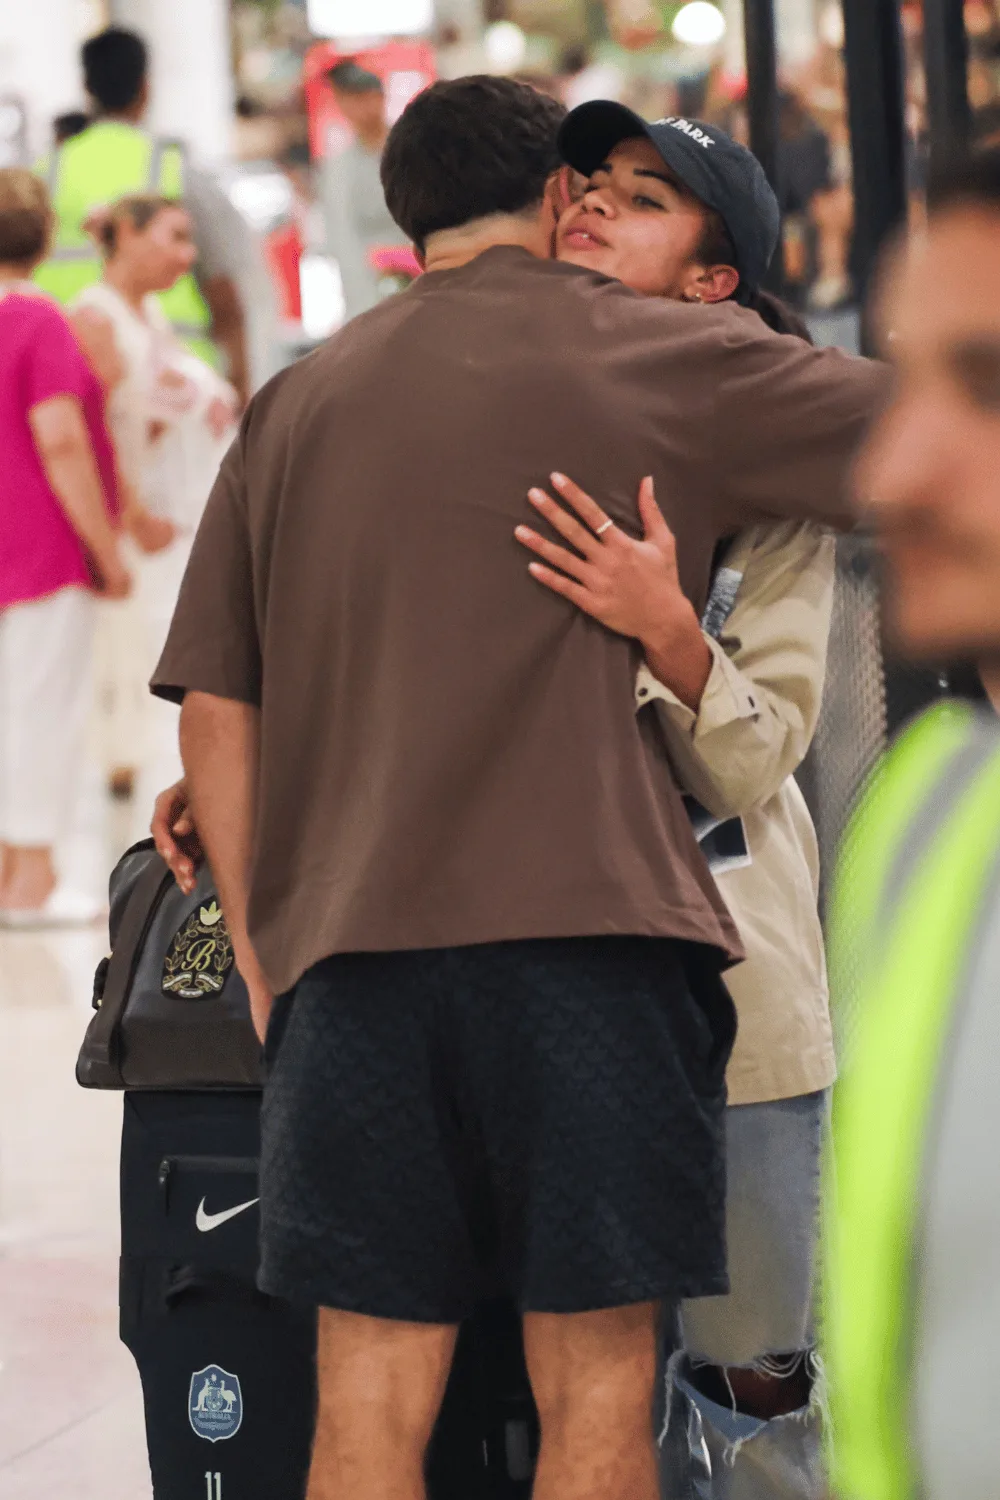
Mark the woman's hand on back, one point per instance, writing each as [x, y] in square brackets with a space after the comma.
[632, 587]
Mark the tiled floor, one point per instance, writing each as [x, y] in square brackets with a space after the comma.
[70, 1405]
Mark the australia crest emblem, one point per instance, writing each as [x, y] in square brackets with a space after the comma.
[200, 957]
[215, 1404]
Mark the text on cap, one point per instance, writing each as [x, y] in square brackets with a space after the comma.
[677, 122]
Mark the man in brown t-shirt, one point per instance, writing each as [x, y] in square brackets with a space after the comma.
[480, 1005]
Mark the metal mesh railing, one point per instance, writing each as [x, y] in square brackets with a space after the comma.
[853, 728]
[853, 725]
[866, 699]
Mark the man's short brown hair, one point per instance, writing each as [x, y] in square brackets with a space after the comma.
[25, 217]
[467, 148]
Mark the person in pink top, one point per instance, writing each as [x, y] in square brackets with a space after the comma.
[58, 547]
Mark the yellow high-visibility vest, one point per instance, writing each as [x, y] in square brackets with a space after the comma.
[104, 163]
[917, 868]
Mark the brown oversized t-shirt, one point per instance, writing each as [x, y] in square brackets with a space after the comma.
[450, 754]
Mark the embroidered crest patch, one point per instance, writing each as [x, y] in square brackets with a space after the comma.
[200, 956]
[215, 1404]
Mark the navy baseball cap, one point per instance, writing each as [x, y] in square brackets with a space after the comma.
[722, 174]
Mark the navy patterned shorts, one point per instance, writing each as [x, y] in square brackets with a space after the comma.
[544, 1117]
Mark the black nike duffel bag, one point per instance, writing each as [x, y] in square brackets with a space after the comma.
[228, 1372]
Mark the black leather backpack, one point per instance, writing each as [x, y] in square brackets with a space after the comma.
[171, 1009]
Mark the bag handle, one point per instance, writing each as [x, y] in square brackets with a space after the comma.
[99, 1063]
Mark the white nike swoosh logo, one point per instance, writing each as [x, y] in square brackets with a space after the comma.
[205, 1221]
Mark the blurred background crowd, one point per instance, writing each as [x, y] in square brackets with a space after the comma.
[247, 86]
[272, 116]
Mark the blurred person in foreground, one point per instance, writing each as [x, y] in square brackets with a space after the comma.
[115, 155]
[377, 702]
[172, 418]
[356, 219]
[58, 546]
[913, 1319]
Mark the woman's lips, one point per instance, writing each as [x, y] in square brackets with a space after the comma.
[583, 239]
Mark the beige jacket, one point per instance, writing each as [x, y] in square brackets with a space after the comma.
[737, 756]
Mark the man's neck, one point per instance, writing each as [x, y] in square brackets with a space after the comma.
[131, 116]
[451, 248]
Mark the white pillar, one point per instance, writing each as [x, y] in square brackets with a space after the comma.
[797, 25]
[734, 52]
[191, 70]
[40, 60]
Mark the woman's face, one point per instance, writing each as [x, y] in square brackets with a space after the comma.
[160, 254]
[637, 223]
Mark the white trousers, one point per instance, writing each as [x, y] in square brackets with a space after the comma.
[45, 694]
[119, 689]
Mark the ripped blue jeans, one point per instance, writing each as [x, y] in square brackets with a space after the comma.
[710, 1449]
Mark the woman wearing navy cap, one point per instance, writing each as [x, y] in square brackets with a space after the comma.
[676, 209]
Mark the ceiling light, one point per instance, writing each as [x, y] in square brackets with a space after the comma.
[506, 46]
[699, 24]
[369, 18]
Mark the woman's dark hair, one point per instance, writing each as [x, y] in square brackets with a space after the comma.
[716, 248]
[467, 148]
[778, 315]
[114, 67]
[140, 209]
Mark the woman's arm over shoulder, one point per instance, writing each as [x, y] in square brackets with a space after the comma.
[761, 704]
